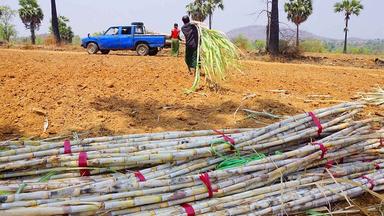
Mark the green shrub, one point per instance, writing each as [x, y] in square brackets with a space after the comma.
[313, 46]
[39, 40]
[76, 40]
[242, 42]
[259, 44]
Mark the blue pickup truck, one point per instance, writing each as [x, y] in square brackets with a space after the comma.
[133, 37]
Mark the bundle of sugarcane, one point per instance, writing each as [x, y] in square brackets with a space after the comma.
[110, 154]
[217, 55]
[376, 97]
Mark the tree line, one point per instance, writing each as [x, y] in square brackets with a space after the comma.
[32, 16]
[298, 11]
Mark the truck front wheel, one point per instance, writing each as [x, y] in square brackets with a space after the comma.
[142, 49]
[92, 48]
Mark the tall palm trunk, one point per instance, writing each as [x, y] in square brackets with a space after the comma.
[274, 30]
[297, 36]
[210, 21]
[268, 28]
[55, 22]
[33, 36]
[346, 33]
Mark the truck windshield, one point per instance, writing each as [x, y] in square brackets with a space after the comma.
[112, 31]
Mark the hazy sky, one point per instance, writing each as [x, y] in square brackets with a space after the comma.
[88, 16]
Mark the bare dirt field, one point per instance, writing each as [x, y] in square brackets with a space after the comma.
[121, 93]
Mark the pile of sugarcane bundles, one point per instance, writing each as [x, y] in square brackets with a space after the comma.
[376, 97]
[302, 162]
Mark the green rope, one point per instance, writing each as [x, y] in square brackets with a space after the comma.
[237, 160]
[231, 162]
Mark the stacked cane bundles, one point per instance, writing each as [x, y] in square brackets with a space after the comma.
[302, 162]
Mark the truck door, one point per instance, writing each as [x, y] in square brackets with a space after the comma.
[110, 40]
[126, 38]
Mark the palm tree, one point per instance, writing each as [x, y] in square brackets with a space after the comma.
[298, 12]
[349, 7]
[273, 46]
[55, 22]
[197, 10]
[201, 9]
[31, 15]
[211, 6]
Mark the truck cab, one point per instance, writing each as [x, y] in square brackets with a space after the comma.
[132, 37]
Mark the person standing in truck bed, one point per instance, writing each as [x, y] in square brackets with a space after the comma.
[191, 44]
[175, 36]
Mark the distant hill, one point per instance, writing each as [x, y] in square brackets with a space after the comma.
[257, 32]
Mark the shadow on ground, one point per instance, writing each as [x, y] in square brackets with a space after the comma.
[8, 132]
[153, 114]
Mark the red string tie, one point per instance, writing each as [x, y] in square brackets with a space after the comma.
[188, 209]
[83, 157]
[206, 180]
[317, 123]
[377, 166]
[140, 176]
[323, 149]
[329, 165]
[67, 147]
[370, 181]
[226, 138]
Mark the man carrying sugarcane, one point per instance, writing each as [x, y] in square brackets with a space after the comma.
[191, 34]
[175, 37]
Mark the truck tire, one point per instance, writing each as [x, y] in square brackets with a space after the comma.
[105, 52]
[153, 52]
[92, 48]
[142, 49]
